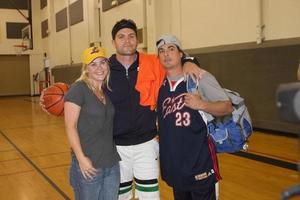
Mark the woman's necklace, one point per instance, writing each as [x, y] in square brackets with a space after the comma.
[100, 95]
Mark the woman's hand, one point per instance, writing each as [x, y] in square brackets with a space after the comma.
[42, 102]
[86, 167]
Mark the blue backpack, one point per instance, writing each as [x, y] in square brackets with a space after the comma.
[230, 133]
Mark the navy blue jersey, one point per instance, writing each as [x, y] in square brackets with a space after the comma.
[187, 160]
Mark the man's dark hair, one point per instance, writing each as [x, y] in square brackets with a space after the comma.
[123, 23]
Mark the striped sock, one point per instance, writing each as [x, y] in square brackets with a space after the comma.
[146, 185]
[125, 187]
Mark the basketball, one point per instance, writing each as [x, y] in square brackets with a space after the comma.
[53, 98]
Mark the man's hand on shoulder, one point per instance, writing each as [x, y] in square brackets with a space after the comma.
[191, 67]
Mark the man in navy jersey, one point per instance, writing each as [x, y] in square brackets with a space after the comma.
[187, 158]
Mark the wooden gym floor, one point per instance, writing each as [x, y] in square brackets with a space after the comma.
[35, 156]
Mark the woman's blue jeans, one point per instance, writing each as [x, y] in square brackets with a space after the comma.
[103, 186]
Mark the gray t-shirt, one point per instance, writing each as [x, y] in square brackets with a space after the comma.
[95, 125]
[210, 89]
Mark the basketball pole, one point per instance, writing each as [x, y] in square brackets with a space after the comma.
[47, 70]
[30, 22]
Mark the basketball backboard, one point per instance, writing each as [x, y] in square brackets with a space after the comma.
[27, 36]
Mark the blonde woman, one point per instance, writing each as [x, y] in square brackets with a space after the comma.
[94, 172]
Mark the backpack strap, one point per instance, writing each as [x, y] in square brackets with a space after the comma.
[234, 97]
[205, 116]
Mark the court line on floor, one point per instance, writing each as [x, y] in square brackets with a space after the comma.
[274, 132]
[57, 166]
[267, 160]
[51, 154]
[7, 150]
[44, 168]
[272, 156]
[36, 168]
[36, 101]
[34, 126]
[10, 160]
[20, 172]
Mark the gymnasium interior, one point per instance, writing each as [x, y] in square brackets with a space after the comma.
[250, 46]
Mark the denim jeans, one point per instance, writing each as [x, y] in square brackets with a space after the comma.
[103, 186]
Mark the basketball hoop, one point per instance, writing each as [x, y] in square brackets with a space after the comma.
[19, 48]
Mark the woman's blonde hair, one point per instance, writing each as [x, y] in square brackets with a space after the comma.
[85, 78]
